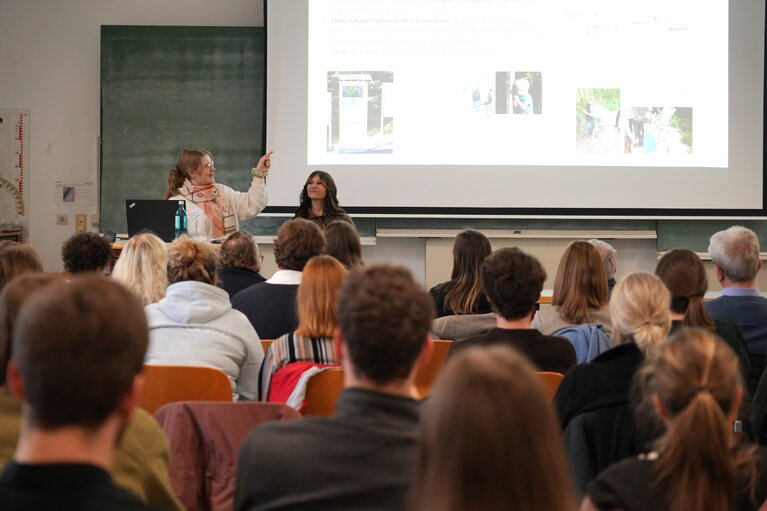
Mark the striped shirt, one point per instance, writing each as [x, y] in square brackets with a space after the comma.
[293, 348]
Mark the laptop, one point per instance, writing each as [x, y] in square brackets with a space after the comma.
[155, 215]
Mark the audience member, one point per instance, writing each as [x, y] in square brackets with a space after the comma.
[239, 263]
[344, 244]
[735, 252]
[512, 282]
[462, 293]
[363, 456]
[312, 341]
[16, 259]
[580, 291]
[78, 349]
[141, 460]
[593, 400]
[609, 261]
[195, 323]
[489, 439]
[271, 306]
[685, 277]
[142, 267]
[696, 390]
[86, 252]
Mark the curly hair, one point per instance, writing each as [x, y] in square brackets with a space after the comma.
[86, 251]
[191, 260]
[512, 281]
[298, 240]
[384, 317]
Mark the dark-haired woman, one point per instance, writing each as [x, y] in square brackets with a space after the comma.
[682, 271]
[214, 210]
[695, 388]
[462, 294]
[319, 200]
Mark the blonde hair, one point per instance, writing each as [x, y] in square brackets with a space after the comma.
[142, 267]
[317, 296]
[191, 260]
[640, 311]
[490, 439]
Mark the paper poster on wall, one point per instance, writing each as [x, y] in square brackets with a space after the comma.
[14, 202]
[79, 194]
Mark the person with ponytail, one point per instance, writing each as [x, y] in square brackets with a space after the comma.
[214, 210]
[685, 277]
[195, 324]
[462, 294]
[594, 399]
[695, 388]
[319, 201]
[489, 439]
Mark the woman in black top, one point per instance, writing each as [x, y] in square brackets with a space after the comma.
[462, 293]
[696, 388]
[319, 201]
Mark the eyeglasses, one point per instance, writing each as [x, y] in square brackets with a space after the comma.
[209, 165]
[260, 258]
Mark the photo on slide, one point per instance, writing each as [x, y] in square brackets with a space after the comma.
[361, 118]
[656, 130]
[596, 116]
[519, 92]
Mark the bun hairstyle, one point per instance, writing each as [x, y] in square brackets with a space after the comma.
[191, 260]
[187, 161]
[640, 311]
[682, 271]
[697, 379]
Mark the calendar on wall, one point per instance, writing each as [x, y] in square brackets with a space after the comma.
[14, 201]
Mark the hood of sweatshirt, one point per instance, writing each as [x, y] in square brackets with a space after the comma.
[191, 302]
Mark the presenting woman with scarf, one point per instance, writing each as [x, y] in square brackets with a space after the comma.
[214, 210]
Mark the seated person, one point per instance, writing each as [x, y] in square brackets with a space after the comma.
[580, 291]
[271, 306]
[696, 390]
[609, 261]
[344, 244]
[512, 282]
[735, 254]
[143, 267]
[363, 456]
[462, 293]
[78, 349]
[16, 259]
[86, 252]
[593, 400]
[141, 460]
[317, 320]
[195, 324]
[239, 262]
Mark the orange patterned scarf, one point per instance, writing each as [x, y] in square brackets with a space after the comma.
[208, 198]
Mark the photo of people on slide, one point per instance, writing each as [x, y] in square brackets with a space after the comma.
[519, 92]
[605, 126]
[361, 114]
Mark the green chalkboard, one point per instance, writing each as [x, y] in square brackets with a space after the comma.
[694, 234]
[166, 88]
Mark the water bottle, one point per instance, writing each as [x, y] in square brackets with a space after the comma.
[181, 226]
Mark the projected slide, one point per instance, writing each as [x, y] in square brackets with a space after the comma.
[520, 82]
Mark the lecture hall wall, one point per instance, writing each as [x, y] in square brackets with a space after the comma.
[49, 63]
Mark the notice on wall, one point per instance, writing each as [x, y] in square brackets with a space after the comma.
[81, 194]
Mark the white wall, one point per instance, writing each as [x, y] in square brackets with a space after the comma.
[49, 63]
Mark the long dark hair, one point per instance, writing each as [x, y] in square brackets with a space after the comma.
[469, 252]
[685, 277]
[331, 200]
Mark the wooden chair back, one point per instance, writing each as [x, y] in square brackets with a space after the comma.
[266, 343]
[322, 392]
[551, 381]
[427, 374]
[167, 384]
